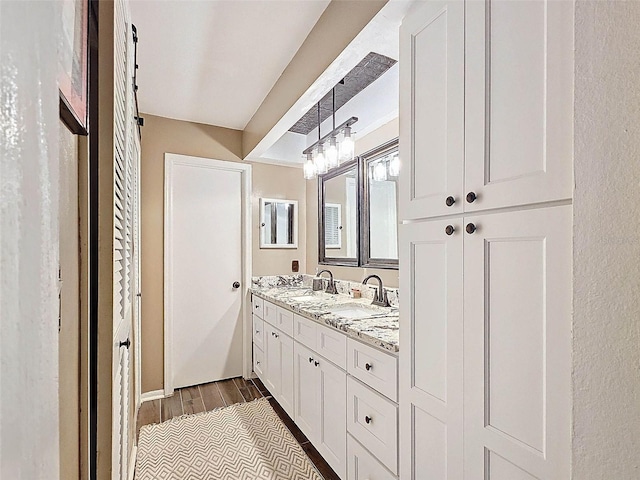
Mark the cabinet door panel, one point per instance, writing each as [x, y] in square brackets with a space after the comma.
[519, 102]
[273, 371]
[517, 341]
[270, 313]
[307, 406]
[432, 109]
[431, 332]
[333, 416]
[258, 362]
[362, 465]
[286, 398]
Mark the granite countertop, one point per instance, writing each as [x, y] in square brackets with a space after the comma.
[380, 329]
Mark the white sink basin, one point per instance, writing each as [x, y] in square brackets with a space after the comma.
[353, 311]
[304, 298]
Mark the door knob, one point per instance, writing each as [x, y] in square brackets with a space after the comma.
[126, 343]
[236, 284]
[471, 197]
[368, 419]
[471, 228]
[316, 363]
[450, 201]
[368, 366]
[449, 230]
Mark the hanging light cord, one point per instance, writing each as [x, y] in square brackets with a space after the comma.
[318, 122]
[333, 107]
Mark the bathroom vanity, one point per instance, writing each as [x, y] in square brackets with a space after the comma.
[331, 362]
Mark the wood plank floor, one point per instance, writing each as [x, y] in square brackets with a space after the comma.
[209, 396]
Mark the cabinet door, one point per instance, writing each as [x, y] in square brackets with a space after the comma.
[432, 109]
[519, 102]
[307, 403]
[517, 345]
[332, 434]
[431, 331]
[258, 362]
[273, 380]
[286, 396]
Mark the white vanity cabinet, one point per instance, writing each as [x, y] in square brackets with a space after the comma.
[309, 374]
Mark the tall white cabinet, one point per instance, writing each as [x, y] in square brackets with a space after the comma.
[485, 241]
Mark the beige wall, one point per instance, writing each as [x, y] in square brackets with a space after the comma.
[383, 134]
[272, 181]
[163, 135]
[69, 354]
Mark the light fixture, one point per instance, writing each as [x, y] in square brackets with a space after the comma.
[394, 166]
[332, 153]
[347, 146]
[309, 168]
[320, 161]
[380, 171]
[336, 152]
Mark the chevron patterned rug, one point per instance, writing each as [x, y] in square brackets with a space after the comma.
[245, 441]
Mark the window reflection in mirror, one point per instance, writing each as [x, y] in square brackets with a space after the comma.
[278, 223]
[339, 205]
[382, 201]
[380, 205]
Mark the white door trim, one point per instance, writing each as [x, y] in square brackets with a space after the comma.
[170, 160]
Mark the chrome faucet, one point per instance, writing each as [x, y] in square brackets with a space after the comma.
[380, 297]
[331, 286]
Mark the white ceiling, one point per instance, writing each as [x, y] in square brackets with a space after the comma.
[214, 61]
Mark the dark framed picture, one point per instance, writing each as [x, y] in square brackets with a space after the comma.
[73, 66]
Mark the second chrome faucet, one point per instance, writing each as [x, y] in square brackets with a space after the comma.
[331, 285]
[380, 297]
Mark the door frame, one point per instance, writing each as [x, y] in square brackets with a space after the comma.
[171, 160]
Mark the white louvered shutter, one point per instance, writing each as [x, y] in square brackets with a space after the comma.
[332, 225]
[125, 234]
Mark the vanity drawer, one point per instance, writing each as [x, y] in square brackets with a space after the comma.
[332, 345]
[305, 331]
[270, 313]
[375, 368]
[284, 320]
[362, 465]
[258, 332]
[373, 420]
[257, 305]
[258, 362]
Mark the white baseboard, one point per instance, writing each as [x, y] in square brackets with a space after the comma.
[132, 462]
[153, 395]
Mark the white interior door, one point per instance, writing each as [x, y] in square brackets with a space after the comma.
[203, 261]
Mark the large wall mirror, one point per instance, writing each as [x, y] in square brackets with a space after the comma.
[338, 216]
[278, 223]
[358, 211]
[380, 206]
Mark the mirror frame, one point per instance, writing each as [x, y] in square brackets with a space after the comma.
[323, 259]
[366, 260]
[263, 244]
